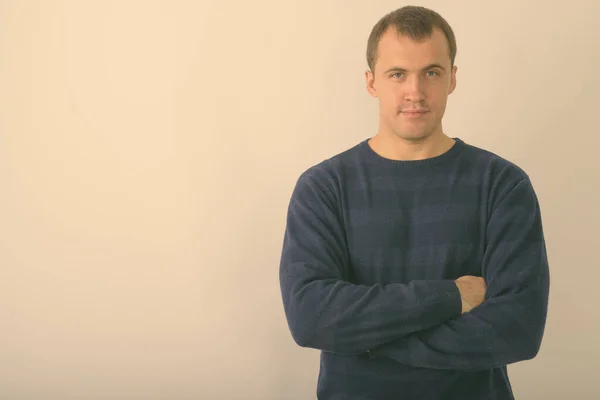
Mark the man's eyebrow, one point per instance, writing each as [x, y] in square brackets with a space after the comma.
[430, 66]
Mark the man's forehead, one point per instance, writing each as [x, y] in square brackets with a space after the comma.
[395, 49]
[435, 41]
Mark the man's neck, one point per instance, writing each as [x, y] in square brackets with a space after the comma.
[395, 148]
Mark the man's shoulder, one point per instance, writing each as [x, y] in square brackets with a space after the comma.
[492, 164]
[334, 167]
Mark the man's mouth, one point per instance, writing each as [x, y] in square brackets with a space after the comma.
[415, 112]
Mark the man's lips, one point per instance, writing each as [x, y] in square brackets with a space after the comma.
[415, 113]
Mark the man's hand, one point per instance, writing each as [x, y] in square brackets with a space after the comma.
[472, 291]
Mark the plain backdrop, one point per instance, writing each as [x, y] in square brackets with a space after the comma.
[148, 150]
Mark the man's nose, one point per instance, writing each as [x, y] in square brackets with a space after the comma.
[414, 90]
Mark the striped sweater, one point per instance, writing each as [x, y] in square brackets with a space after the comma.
[371, 249]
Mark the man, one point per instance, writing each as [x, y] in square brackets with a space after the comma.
[414, 261]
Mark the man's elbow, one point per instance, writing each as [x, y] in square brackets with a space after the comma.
[310, 334]
[527, 330]
[529, 348]
[534, 349]
[528, 354]
[302, 334]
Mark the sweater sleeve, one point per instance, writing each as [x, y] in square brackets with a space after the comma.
[324, 311]
[508, 326]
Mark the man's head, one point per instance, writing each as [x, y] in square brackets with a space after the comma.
[410, 54]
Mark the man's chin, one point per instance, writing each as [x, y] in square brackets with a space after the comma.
[413, 136]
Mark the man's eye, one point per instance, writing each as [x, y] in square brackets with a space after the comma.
[397, 75]
[432, 73]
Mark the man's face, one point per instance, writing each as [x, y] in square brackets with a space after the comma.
[412, 80]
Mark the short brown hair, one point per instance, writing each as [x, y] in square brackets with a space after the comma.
[413, 21]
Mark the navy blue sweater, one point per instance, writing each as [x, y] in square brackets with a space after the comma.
[371, 250]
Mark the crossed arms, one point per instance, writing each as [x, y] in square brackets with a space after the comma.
[420, 323]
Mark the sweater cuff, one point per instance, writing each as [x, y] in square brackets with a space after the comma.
[451, 299]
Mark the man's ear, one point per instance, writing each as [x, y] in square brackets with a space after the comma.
[370, 81]
[453, 79]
